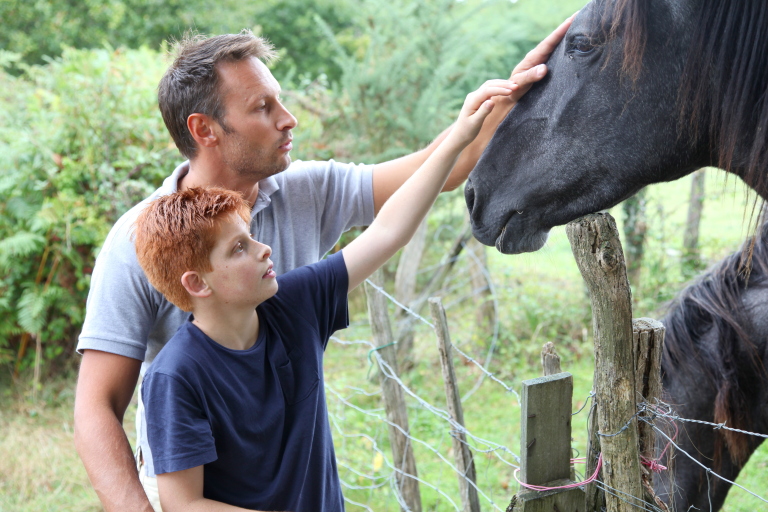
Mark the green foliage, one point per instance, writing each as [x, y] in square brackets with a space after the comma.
[305, 51]
[410, 68]
[82, 142]
[40, 28]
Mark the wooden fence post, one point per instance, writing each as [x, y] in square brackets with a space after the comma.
[465, 464]
[648, 343]
[594, 496]
[545, 446]
[597, 249]
[550, 361]
[394, 402]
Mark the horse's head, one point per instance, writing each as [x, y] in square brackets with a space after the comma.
[590, 134]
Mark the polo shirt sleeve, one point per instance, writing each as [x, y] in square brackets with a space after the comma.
[178, 430]
[120, 310]
[318, 294]
[345, 197]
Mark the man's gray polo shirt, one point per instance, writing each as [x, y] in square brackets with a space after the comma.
[300, 213]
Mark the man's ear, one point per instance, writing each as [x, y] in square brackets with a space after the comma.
[195, 285]
[201, 128]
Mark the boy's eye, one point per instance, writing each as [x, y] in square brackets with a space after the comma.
[239, 247]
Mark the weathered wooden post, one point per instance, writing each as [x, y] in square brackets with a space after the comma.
[545, 446]
[594, 496]
[465, 464]
[648, 343]
[550, 364]
[597, 249]
[550, 361]
[394, 402]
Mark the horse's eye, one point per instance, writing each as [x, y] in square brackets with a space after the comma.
[581, 45]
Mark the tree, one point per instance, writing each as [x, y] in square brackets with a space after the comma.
[691, 258]
[635, 227]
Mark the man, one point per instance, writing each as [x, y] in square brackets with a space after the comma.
[222, 107]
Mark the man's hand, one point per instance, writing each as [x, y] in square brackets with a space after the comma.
[389, 176]
[104, 389]
[533, 68]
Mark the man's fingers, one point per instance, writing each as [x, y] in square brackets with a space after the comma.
[544, 49]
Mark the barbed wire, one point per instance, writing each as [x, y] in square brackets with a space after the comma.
[708, 470]
[715, 426]
[420, 318]
[412, 438]
[441, 413]
[480, 445]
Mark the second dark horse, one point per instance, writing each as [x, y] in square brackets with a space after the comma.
[714, 369]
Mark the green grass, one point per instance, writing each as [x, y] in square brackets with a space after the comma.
[541, 298]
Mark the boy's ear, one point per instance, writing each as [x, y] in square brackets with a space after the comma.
[201, 127]
[195, 285]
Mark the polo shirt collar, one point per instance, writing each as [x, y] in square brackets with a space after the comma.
[267, 187]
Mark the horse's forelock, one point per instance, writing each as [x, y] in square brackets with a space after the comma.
[628, 20]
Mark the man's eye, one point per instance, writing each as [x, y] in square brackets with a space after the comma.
[581, 45]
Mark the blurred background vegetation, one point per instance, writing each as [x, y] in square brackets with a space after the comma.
[369, 80]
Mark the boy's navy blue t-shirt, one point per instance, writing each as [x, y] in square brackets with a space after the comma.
[257, 418]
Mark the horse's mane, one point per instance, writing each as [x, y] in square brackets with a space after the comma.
[725, 81]
[733, 367]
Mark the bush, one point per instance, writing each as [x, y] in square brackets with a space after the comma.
[82, 142]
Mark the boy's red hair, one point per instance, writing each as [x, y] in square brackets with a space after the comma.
[176, 233]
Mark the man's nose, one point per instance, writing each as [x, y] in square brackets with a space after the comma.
[286, 121]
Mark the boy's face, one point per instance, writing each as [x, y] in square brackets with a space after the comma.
[242, 272]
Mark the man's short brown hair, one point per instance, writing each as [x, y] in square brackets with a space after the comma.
[176, 233]
[191, 84]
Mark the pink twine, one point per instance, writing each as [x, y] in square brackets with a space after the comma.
[569, 486]
[653, 464]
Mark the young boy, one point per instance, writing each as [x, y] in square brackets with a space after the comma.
[237, 417]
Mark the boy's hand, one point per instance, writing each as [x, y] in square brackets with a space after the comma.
[476, 108]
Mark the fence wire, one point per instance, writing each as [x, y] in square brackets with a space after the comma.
[386, 474]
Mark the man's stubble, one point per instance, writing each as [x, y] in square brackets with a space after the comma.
[253, 161]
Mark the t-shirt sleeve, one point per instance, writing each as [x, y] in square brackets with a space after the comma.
[345, 193]
[178, 431]
[318, 293]
[120, 310]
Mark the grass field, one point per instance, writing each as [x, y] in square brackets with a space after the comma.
[541, 298]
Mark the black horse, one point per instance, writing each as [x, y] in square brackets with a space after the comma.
[714, 369]
[638, 92]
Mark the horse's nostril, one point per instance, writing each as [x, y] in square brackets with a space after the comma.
[469, 196]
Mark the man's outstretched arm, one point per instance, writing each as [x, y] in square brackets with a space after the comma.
[104, 389]
[389, 176]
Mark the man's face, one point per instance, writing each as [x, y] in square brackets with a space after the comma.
[257, 128]
[242, 274]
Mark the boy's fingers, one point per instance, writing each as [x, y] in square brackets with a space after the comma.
[530, 76]
[499, 83]
[475, 100]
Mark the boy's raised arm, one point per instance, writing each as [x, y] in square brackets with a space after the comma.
[403, 212]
